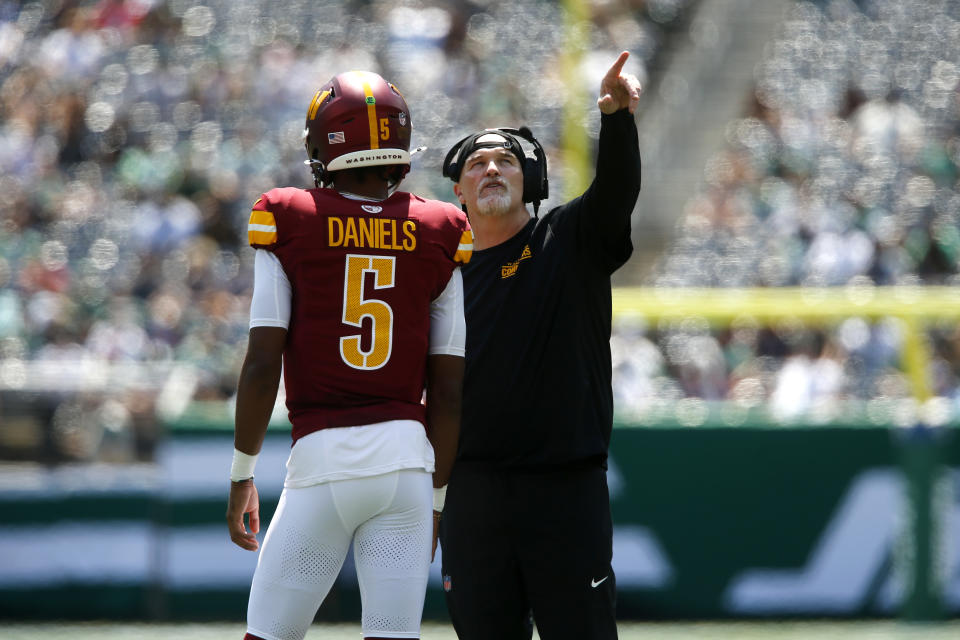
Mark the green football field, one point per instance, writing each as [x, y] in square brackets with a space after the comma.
[628, 631]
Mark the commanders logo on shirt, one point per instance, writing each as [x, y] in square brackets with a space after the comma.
[510, 269]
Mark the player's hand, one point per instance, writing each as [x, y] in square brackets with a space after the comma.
[244, 499]
[436, 534]
[619, 90]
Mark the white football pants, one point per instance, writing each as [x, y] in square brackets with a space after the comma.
[388, 518]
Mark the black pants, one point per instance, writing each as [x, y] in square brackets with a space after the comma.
[516, 542]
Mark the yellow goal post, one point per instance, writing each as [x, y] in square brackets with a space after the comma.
[916, 307]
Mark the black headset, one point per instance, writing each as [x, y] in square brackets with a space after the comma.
[535, 185]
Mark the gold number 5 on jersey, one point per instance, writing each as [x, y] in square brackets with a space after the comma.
[356, 307]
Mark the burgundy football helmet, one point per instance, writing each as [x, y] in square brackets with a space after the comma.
[357, 119]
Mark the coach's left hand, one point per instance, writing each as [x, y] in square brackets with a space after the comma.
[619, 90]
[436, 534]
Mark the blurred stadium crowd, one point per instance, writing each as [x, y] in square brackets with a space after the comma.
[844, 172]
[135, 134]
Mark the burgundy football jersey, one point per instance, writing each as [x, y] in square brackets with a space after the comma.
[363, 275]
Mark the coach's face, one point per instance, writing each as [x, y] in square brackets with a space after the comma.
[491, 183]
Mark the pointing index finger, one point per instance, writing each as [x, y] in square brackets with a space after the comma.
[618, 65]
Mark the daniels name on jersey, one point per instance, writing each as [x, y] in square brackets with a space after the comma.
[363, 276]
[372, 233]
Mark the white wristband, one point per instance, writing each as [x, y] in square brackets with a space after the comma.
[439, 498]
[243, 464]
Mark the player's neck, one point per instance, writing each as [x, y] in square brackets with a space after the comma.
[365, 188]
[489, 231]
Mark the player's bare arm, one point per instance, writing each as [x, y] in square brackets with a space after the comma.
[444, 390]
[444, 395]
[256, 395]
[619, 90]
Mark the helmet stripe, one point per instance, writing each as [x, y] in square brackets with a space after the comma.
[318, 99]
[371, 115]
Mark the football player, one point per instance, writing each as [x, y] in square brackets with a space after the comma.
[358, 298]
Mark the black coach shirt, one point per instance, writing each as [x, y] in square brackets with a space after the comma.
[537, 389]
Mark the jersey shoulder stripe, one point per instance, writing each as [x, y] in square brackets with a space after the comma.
[262, 228]
[465, 248]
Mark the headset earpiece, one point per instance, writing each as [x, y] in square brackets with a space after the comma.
[536, 187]
[531, 180]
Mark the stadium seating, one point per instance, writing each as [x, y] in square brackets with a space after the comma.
[843, 173]
[134, 136]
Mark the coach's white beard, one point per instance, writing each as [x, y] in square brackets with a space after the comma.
[496, 204]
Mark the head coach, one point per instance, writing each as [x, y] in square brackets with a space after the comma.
[526, 528]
